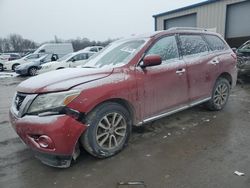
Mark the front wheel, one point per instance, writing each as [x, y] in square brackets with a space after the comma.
[1, 67]
[109, 130]
[220, 95]
[32, 71]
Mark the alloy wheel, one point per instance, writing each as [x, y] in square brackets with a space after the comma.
[111, 131]
[32, 71]
[221, 94]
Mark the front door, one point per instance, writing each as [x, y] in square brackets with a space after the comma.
[163, 87]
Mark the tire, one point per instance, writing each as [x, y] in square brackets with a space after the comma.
[102, 140]
[1, 67]
[14, 67]
[32, 71]
[220, 95]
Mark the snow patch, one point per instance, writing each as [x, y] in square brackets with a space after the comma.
[8, 74]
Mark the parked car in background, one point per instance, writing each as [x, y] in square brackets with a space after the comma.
[243, 54]
[7, 57]
[11, 65]
[30, 68]
[55, 48]
[59, 49]
[131, 82]
[93, 48]
[70, 60]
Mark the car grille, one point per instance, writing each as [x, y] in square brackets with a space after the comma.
[19, 100]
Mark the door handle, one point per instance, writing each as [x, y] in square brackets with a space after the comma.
[180, 71]
[215, 62]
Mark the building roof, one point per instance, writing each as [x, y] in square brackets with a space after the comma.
[186, 8]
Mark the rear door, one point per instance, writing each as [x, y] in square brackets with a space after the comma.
[163, 87]
[201, 65]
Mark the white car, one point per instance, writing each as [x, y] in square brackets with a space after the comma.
[11, 65]
[70, 60]
[7, 57]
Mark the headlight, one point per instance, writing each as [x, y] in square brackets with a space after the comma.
[52, 101]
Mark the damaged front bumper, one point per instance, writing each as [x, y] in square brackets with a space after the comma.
[53, 138]
[58, 161]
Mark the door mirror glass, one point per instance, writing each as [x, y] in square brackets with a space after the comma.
[151, 60]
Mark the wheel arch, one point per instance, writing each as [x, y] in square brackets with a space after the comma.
[60, 68]
[15, 64]
[227, 76]
[123, 102]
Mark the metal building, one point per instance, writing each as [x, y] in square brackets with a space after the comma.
[230, 18]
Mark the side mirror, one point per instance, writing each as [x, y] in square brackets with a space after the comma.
[73, 60]
[234, 50]
[151, 60]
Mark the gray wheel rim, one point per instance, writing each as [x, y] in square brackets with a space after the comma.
[221, 94]
[32, 71]
[111, 131]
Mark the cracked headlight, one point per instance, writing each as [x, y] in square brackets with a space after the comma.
[52, 101]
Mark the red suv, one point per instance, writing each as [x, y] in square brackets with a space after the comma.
[131, 82]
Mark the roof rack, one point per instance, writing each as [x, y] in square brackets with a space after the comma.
[187, 28]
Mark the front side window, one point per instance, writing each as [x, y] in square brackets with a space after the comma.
[166, 48]
[215, 43]
[192, 44]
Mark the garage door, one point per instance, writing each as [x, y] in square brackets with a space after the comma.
[183, 21]
[238, 20]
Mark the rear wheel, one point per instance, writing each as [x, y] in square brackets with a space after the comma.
[1, 67]
[109, 130]
[32, 71]
[220, 95]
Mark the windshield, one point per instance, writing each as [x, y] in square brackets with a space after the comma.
[31, 56]
[117, 53]
[64, 58]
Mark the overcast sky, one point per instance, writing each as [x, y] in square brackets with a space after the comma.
[41, 20]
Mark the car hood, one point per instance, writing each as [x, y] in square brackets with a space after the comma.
[28, 64]
[52, 63]
[61, 80]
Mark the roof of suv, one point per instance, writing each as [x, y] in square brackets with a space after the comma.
[183, 30]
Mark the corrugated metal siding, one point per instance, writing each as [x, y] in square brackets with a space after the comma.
[238, 20]
[208, 16]
[183, 21]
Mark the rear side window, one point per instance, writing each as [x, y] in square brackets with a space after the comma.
[166, 48]
[215, 43]
[192, 44]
